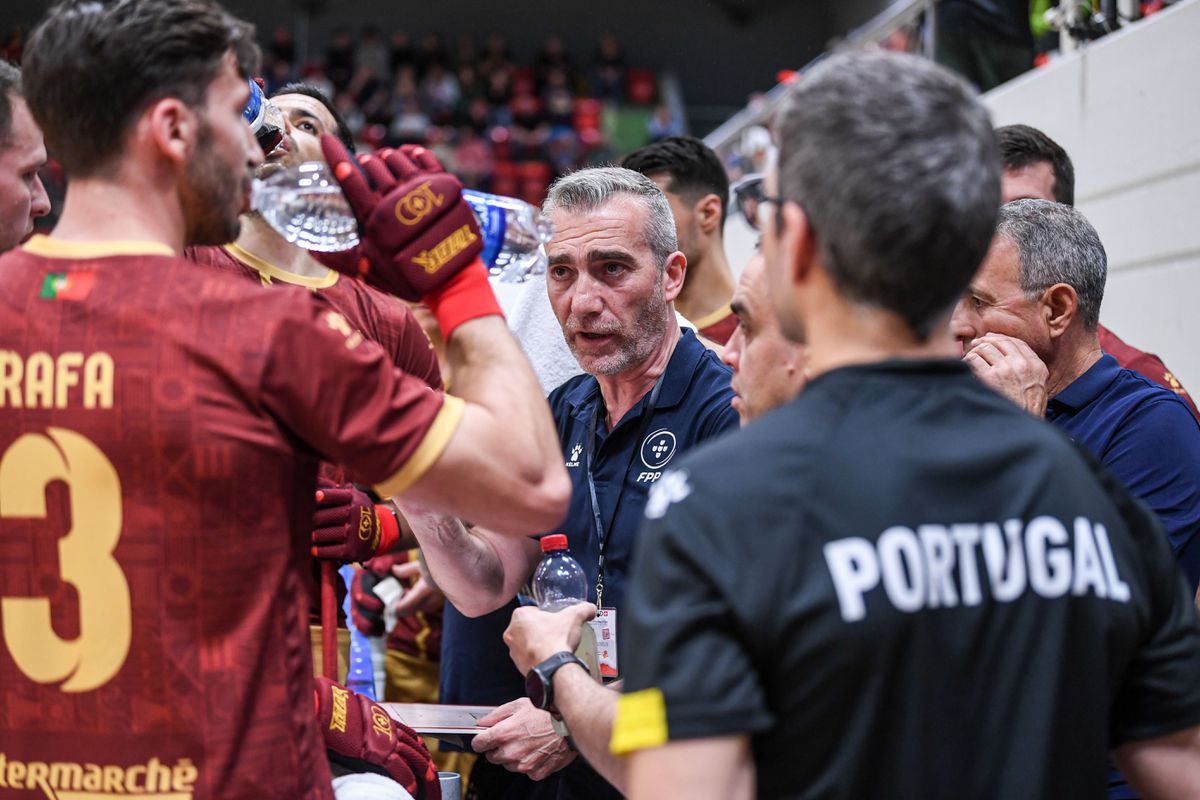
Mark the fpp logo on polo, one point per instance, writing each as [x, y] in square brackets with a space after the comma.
[657, 449]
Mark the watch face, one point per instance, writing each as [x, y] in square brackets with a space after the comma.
[535, 688]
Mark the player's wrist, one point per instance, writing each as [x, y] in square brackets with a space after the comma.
[389, 528]
[466, 296]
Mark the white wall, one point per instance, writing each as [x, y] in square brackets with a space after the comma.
[1127, 110]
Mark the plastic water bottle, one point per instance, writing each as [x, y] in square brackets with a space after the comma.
[306, 206]
[559, 582]
[265, 119]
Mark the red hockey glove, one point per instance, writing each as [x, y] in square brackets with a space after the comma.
[349, 526]
[420, 240]
[362, 737]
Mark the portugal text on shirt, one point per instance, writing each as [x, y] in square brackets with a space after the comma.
[938, 565]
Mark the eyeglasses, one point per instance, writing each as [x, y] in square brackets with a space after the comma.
[751, 200]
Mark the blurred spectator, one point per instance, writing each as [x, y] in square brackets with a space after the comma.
[339, 58]
[282, 47]
[553, 58]
[608, 70]
[439, 93]
[664, 123]
[372, 53]
[402, 51]
[465, 53]
[433, 53]
[409, 124]
[496, 57]
[473, 161]
[12, 47]
[988, 42]
[558, 100]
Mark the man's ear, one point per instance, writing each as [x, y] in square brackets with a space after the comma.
[798, 242]
[673, 273]
[172, 126]
[1060, 308]
[708, 213]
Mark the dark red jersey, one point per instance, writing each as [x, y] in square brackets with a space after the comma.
[383, 319]
[160, 429]
[717, 326]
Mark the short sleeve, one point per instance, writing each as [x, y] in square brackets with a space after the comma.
[1159, 693]
[338, 391]
[1157, 458]
[689, 672]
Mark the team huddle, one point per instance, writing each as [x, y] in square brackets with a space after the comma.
[898, 579]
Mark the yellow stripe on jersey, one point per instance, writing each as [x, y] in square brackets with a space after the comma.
[42, 245]
[269, 272]
[641, 722]
[716, 316]
[429, 451]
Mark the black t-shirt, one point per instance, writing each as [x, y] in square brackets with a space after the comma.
[902, 586]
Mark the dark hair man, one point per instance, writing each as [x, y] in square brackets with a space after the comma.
[1037, 167]
[262, 255]
[697, 187]
[142, 395]
[22, 154]
[1042, 284]
[899, 584]
[649, 393]
[768, 368]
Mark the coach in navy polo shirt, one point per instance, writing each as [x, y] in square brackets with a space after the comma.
[650, 392]
[1037, 299]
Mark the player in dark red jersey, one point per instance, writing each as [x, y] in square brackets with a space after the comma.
[160, 427]
[262, 255]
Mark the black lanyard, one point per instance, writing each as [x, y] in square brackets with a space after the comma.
[602, 532]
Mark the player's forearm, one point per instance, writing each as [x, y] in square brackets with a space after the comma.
[519, 455]
[466, 565]
[705, 769]
[588, 708]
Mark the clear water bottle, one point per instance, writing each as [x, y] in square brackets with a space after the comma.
[305, 205]
[559, 582]
[265, 119]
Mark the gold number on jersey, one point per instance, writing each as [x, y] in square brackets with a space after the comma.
[85, 558]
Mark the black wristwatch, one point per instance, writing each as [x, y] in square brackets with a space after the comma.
[539, 683]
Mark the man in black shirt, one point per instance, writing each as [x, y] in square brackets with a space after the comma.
[898, 585]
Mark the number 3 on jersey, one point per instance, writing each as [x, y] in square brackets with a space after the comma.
[85, 557]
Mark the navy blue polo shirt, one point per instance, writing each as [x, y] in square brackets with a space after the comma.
[1145, 436]
[693, 406]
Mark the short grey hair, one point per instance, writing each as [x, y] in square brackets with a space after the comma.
[897, 168]
[1056, 244]
[589, 189]
[10, 87]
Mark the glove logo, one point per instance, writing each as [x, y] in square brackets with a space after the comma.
[381, 722]
[337, 721]
[433, 260]
[416, 205]
[368, 521]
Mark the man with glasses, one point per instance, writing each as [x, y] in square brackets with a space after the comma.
[899, 584]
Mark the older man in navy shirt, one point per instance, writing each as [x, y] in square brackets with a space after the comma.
[649, 393]
[1028, 325]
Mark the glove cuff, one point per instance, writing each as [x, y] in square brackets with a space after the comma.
[463, 298]
[389, 529]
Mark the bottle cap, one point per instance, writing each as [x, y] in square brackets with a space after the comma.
[554, 541]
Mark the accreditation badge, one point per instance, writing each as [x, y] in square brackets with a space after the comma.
[605, 628]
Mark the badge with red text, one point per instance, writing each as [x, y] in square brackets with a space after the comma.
[605, 627]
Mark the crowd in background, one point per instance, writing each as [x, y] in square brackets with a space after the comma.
[500, 122]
